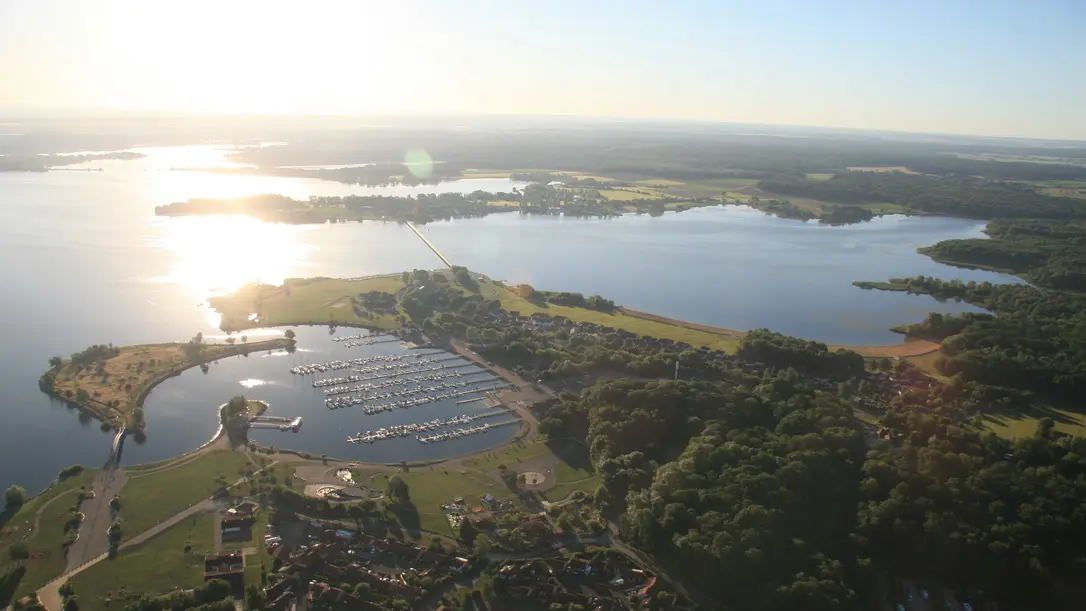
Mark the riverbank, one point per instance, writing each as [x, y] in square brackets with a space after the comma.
[112, 383]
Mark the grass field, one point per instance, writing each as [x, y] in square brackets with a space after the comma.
[430, 488]
[659, 183]
[1014, 426]
[47, 559]
[157, 566]
[567, 461]
[819, 176]
[148, 499]
[886, 208]
[624, 195]
[882, 168]
[513, 302]
[304, 300]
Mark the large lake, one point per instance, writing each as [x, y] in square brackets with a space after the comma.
[84, 260]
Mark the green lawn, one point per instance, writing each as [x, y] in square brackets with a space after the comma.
[154, 567]
[302, 300]
[47, 559]
[430, 488]
[1067, 184]
[150, 499]
[623, 195]
[513, 302]
[886, 208]
[257, 540]
[508, 455]
[561, 491]
[1013, 426]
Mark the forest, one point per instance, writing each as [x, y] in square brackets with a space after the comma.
[765, 495]
[963, 196]
[1036, 341]
[269, 207]
[1048, 253]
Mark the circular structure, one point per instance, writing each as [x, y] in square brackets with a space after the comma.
[533, 478]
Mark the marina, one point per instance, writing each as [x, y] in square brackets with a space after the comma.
[393, 381]
[411, 397]
[407, 430]
[401, 368]
[408, 403]
[405, 396]
[338, 365]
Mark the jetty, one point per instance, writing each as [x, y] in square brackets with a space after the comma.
[275, 422]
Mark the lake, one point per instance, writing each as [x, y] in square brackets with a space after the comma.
[84, 260]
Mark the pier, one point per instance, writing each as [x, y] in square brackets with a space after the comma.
[429, 244]
[275, 422]
[406, 430]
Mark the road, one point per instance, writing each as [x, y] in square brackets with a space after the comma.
[49, 595]
[93, 539]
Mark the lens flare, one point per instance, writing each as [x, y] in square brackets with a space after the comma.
[418, 162]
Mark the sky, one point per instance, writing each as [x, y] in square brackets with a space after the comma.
[980, 67]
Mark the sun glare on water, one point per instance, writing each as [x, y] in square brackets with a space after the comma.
[216, 255]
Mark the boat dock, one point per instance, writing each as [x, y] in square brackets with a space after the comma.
[276, 422]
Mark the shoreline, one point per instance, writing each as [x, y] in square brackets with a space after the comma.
[905, 349]
[145, 391]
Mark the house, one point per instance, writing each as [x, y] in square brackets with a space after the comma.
[247, 508]
[229, 566]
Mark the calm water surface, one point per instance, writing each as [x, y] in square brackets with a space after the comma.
[84, 260]
[182, 413]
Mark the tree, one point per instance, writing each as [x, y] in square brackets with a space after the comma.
[14, 497]
[55, 362]
[289, 334]
[81, 395]
[398, 490]
[482, 545]
[468, 533]
[18, 551]
[255, 598]
[71, 603]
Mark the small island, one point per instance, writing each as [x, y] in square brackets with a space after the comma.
[111, 382]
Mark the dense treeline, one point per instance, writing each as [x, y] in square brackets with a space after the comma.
[743, 488]
[420, 208]
[42, 163]
[975, 511]
[782, 351]
[97, 352]
[1036, 341]
[954, 196]
[762, 493]
[1049, 253]
[212, 596]
[676, 152]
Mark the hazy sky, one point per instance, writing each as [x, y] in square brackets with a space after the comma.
[977, 67]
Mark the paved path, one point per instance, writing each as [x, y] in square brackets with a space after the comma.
[93, 539]
[49, 595]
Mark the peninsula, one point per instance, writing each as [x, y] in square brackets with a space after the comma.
[111, 382]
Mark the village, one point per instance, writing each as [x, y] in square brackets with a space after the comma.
[328, 564]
